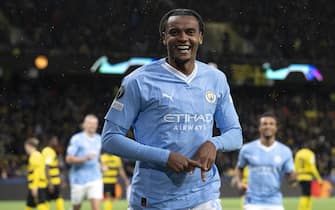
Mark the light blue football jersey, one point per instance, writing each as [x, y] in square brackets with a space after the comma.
[174, 112]
[266, 165]
[81, 145]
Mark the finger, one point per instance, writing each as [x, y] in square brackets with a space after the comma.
[203, 175]
[210, 164]
[194, 163]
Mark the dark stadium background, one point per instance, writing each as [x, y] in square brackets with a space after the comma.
[240, 37]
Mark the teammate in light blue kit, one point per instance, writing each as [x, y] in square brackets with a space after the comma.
[268, 161]
[172, 104]
[83, 154]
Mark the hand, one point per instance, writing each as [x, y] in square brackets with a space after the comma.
[90, 156]
[179, 163]
[206, 155]
[242, 187]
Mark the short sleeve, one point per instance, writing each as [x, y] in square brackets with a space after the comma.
[289, 163]
[242, 161]
[73, 146]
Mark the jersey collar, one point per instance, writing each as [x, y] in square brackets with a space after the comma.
[267, 149]
[180, 75]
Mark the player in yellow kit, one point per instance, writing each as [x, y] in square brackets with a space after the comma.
[37, 181]
[53, 173]
[306, 170]
[112, 167]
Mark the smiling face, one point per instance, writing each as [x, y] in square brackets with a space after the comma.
[182, 38]
[268, 128]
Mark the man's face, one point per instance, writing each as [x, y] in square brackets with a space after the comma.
[268, 127]
[90, 124]
[182, 38]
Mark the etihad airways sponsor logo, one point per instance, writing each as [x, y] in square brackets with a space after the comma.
[188, 118]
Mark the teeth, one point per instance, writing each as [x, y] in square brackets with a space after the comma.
[183, 47]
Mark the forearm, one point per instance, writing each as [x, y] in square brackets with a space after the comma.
[316, 173]
[229, 140]
[70, 159]
[115, 142]
[238, 176]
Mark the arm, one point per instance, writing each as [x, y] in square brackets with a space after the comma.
[237, 179]
[124, 176]
[115, 142]
[315, 171]
[71, 159]
[73, 148]
[227, 121]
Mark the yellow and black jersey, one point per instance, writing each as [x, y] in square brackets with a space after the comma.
[113, 163]
[304, 162]
[245, 175]
[51, 161]
[36, 171]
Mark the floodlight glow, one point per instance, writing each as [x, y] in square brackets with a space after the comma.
[104, 67]
[309, 71]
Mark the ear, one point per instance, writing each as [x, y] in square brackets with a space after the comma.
[201, 38]
[163, 38]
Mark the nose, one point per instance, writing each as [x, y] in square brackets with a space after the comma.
[182, 36]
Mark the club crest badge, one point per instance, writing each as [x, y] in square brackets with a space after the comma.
[210, 96]
[120, 92]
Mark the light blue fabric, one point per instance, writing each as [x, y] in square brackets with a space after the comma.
[81, 145]
[266, 165]
[171, 112]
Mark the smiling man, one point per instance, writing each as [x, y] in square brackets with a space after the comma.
[268, 161]
[172, 105]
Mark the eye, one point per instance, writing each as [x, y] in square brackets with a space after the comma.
[173, 32]
[190, 32]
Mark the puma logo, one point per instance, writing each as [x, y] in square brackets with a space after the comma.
[167, 96]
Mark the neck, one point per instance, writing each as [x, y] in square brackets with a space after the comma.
[89, 133]
[184, 67]
[267, 141]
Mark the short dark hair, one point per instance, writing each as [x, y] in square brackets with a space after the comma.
[268, 114]
[180, 12]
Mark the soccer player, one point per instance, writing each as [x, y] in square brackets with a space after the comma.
[37, 181]
[112, 167]
[53, 173]
[172, 104]
[268, 161]
[83, 154]
[306, 170]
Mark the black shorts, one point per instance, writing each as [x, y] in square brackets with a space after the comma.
[109, 189]
[305, 187]
[55, 194]
[42, 197]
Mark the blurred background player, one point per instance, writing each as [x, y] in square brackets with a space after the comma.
[112, 168]
[267, 160]
[83, 154]
[53, 173]
[37, 181]
[243, 185]
[306, 170]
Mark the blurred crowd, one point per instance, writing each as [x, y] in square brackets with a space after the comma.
[277, 30]
[55, 106]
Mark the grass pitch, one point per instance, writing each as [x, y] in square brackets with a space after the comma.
[227, 204]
